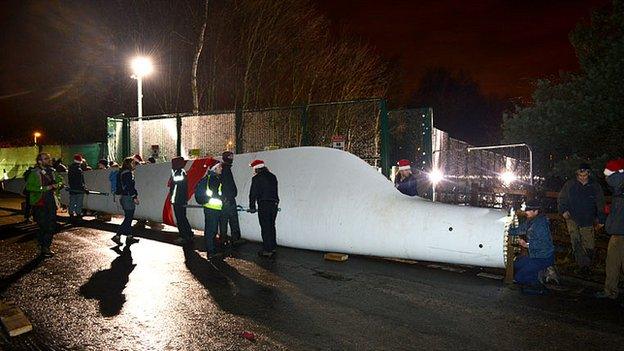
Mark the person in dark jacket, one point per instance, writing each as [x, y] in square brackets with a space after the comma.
[42, 183]
[178, 190]
[404, 180]
[581, 202]
[77, 188]
[528, 269]
[264, 192]
[229, 213]
[129, 200]
[209, 193]
[614, 172]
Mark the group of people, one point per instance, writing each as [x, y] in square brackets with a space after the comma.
[581, 202]
[216, 193]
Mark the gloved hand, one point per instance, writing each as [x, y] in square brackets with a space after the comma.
[252, 210]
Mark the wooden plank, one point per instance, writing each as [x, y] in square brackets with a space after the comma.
[338, 257]
[14, 320]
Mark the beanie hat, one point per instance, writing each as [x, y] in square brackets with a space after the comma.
[227, 156]
[255, 164]
[78, 158]
[532, 205]
[404, 165]
[178, 163]
[584, 167]
[103, 162]
[137, 158]
[614, 166]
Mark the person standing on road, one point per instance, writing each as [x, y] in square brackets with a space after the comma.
[209, 193]
[229, 213]
[529, 269]
[26, 193]
[129, 200]
[405, 181]
[77, 188]
[614, 171]
[581, 202]
[41, 184]
[264, 191]
[178, 190]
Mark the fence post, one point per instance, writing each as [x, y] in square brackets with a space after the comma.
[179, 135]
[384, 151]
[238, 130]
[304, 126]
[125, 135]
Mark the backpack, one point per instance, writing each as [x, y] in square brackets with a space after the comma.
[115, 180]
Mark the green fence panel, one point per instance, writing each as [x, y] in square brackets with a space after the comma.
[16, 160]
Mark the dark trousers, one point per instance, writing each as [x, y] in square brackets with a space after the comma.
[127, 203]
[267, 212]
[211, 226]
[184, 228]
[45, 216]
[526, 269]
[229, 214]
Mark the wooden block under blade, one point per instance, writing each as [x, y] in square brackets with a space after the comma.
[338, 257]
[14, 320]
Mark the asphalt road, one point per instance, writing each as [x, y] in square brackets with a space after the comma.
[154, 295]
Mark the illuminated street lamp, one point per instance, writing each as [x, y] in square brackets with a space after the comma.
[435, 176]
[141, 67]
[508, 177]
[36, 135]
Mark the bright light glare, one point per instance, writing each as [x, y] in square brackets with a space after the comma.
[435, 176]
[37, 134]
[508, 177]
[141, 66]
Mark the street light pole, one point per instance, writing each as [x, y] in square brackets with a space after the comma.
[504, 146]
[140, 112]
[141, 66]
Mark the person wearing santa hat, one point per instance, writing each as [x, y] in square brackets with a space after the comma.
[614, 171]
[77, 188]
[404, 180]
[263, 191]
[209, 193]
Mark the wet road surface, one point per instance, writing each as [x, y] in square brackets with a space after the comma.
[153, 295]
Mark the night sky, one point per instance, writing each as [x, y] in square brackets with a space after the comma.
[503, 45]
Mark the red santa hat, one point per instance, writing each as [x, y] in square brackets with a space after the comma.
[255, 164]
[404, 165]
[137, 158]
[614, 166]
[78, 158]
[212, 164]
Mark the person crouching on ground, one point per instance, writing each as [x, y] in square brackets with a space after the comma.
[405, 181]
[209, 193]
[263, 190]
[129, 200]
[41, 184]
[539, 244]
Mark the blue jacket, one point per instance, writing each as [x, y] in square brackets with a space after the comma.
[537, 231]
[407, 186]
[615, 222]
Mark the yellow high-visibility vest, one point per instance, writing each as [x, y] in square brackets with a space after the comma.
[213, 203]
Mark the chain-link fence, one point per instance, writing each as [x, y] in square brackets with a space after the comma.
[244, 131]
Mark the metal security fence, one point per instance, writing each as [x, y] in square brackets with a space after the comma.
[361, 122]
